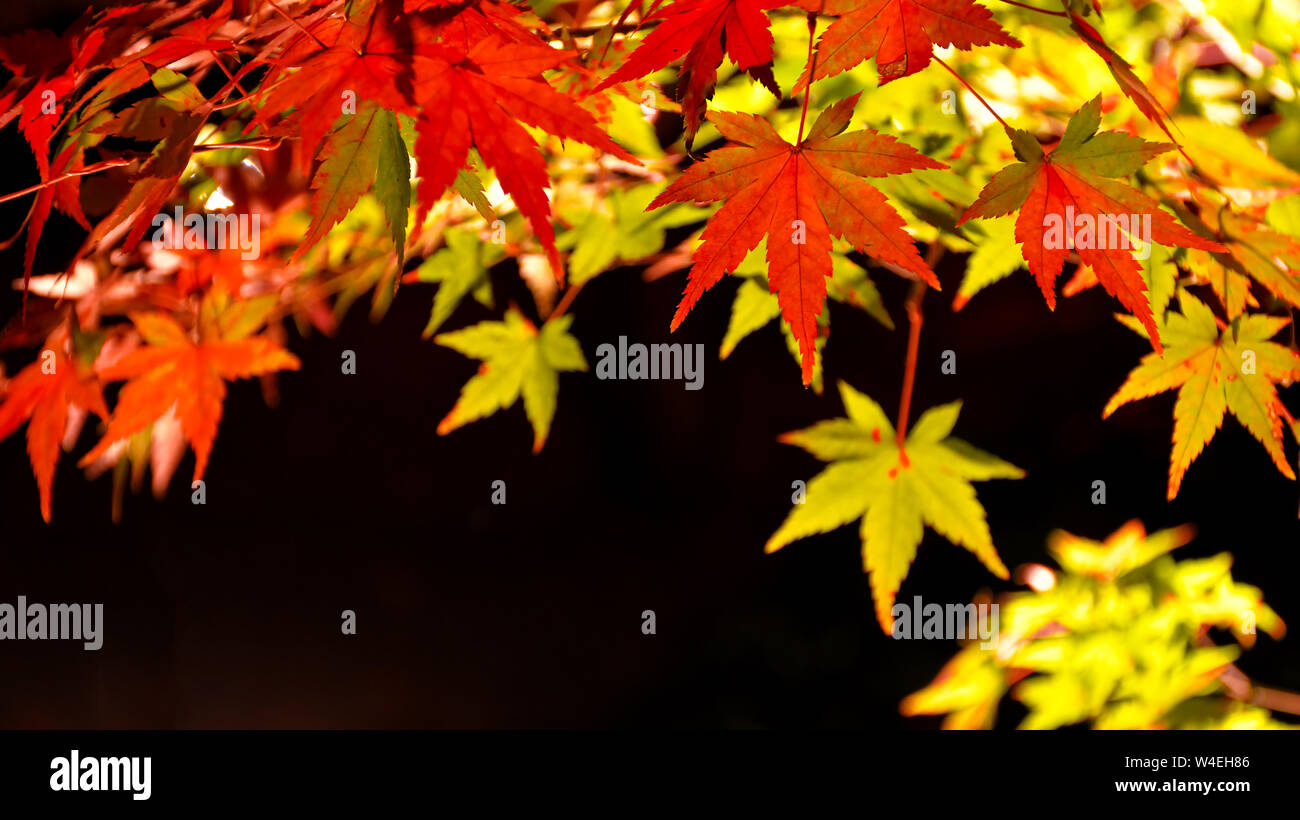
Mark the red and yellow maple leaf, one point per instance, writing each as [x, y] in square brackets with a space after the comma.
[1060, 187]
[174, 370]
[483, 98]
[900, 34]
[1216, 370]
[813, 190]
[704, 30]
[41, 394]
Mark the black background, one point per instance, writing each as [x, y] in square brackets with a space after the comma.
[647, 496]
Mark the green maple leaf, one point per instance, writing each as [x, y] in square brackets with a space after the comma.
[755, 306]
[460, 268]
[895, 491]
[393, 181]
[364, 152]
[1216, 371]
[627, 233]
[518, 359]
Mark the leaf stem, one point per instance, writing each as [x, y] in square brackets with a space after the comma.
[914, 319]
[962, 80]
[812, 70]
[570, 293]
[89, 169]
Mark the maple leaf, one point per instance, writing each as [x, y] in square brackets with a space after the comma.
[703, 30]
[1253, 252]
[895, 491]
[460, 267]
[1216, 371]
[626, 234]
[365, 150]
[800, 196]
[900, 34]
[460, 23]
[479, 98]
[518, 359]
[46, 68]
[1072, 661]
[1078, 174]
[174, 371]
[367, 58]
[41, 394]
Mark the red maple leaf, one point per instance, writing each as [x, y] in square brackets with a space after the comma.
[799, 196]
[365, 59]
[461, 23]
[703, 30]
[479, 98]
[41, 394]
[46, 68]
[900, 34]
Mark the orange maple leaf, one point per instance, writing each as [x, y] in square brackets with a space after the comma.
[174, 370]
[900, 34]
[42, 393]
[814, 190]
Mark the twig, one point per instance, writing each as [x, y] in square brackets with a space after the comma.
[962, 80]
[570, 293]
[296, 24]
[89, 169]
[1036, 8]
[914, 318]
[812, 71]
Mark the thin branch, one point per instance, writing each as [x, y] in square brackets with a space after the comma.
[812, 71]
[296, 24]
[914, 318]
[570, 293]
[962, 80]
[1036, 8]
[89, 169]
[255, 144]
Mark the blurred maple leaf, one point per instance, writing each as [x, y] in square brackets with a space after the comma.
[176, 371]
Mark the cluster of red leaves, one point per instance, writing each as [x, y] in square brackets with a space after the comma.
[470, 74]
